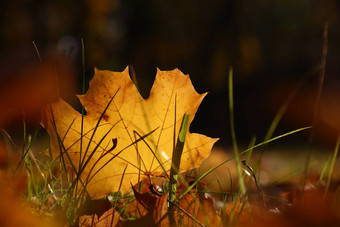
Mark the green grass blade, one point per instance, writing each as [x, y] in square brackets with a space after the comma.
[113, 157]
[286, 104]
[37, 51]
[82, 107]
[233, 133]
[154, 155]
[317, 100]
[97, 125]
[277, 118]
[25, 151]
[176, 159]
[251, 145]
[278, 137]
[78, 176]
[324, 168]
[255, 146]
[62, 148]
[331, 167]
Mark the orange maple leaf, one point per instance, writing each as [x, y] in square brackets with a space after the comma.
[124, 135]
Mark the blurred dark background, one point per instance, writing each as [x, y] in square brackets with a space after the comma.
[271, 45]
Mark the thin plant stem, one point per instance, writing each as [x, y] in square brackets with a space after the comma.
[245, 151]
[233, 133]
[331, 167]
[175, 164]
[317, 101]
[324, 168]
[82, 107]
[37, 51]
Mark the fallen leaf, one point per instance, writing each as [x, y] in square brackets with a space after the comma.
[152, 210]
[88, 220]
[196, 208]
[127, 118]
[98, 207]
[108, 219]
[200, 206]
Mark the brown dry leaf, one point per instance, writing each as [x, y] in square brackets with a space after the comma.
[152, 210]
[108, 219]
[88, 220]
[127, 114]
[201, 207]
